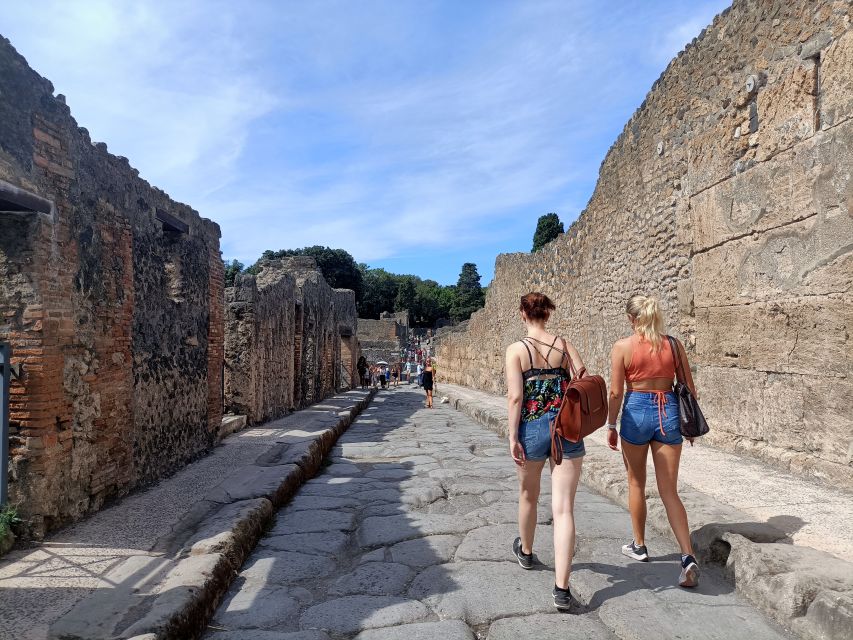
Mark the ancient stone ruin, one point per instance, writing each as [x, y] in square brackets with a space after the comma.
[112, 298]
[729, 195]
[289, 339]
[383, 339]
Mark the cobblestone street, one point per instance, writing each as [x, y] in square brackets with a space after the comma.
[407, 534]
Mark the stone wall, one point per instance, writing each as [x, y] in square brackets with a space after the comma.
[111, 297]
[382, 340]
[289, 339]
[729, 196]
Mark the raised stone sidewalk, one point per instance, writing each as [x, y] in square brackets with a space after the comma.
[158, 561]
[783, 540]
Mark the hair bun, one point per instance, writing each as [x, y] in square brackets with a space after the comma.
[536, 306]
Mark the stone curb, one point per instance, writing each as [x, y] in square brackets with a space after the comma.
[808, 591]
[171, 593]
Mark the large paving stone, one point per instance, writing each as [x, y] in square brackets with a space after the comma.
[507, 513]
[258, 634]
[310, 521]
[426, 551]
[460, 505]
[274, 567]
[374, 579]
[351, 614]
[375, 531]
[479, 592]
[494, 542]
[253, 605]
[329, 543]
[640, 615]
[550, 627]
[445, 630]
[311, 503]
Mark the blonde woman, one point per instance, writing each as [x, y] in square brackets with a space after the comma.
[645, 364]
[537, 375]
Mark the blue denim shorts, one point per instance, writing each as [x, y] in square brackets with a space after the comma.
[535, 439]
[642, 419]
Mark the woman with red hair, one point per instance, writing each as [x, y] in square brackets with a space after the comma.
[537, 374]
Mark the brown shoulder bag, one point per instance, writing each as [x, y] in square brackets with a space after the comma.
[582, 410]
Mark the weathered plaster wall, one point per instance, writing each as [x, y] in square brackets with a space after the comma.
[115, 319]
[289, 339]
[729, 196]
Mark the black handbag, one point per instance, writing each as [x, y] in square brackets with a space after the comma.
[692, 421]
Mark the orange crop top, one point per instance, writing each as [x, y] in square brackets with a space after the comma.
[646, 364]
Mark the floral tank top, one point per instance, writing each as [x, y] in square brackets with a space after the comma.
[542, 394]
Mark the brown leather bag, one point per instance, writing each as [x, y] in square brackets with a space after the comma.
[582, 410]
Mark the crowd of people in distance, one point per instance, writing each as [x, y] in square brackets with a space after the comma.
[415, 367]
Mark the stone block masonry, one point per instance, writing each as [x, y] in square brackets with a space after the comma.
[729, 196]
[289, 339]
[383, 339]
[112, 299]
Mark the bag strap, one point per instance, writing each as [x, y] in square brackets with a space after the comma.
[568, 355]
[674, 345]
[529, 355]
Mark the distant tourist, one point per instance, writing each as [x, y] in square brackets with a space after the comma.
[420, 375]
[395, 374]
[362, 371]
[383, 372]
[645, 363]
[427, 381]
[537, 375]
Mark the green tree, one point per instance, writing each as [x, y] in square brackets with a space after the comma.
[231, 270]
[406, 294]
[469, 293]
[379, 292]
[547, 228]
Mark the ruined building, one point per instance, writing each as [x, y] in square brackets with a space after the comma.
[290, 339]
[383, 339]
[112, 298]
[729, 195]
[111, 295]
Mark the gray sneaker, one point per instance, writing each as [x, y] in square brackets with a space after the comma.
[689, 572]
[564, 600]
[525, 560]
[635, 551]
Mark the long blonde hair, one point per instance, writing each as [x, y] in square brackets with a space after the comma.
[648, 320]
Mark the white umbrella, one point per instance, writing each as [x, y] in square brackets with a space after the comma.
[381, 362]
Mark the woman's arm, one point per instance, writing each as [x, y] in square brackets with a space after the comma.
[515, 396]
[574, 354]
[617, 392]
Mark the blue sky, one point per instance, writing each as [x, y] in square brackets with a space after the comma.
[417, 135]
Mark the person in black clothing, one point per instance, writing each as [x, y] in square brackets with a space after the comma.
[362, 371]
[428, 382]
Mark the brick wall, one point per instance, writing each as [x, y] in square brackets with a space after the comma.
[115, 318]
[729, 196]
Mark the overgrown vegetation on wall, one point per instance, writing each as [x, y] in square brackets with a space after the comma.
[377, 290]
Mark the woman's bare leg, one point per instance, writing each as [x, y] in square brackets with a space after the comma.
[564, 486]
[529, 478]
[635, 457]
[667, 458]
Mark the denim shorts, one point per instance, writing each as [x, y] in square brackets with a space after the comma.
[535, 438]
[642, 419]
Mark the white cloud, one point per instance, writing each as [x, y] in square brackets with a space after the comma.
[382, 127]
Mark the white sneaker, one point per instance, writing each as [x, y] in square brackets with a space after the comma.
[637, 552]
[689, 573]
